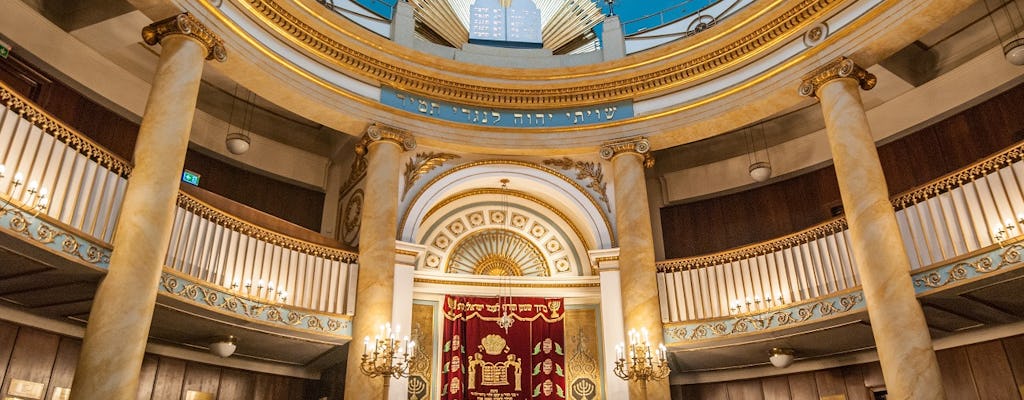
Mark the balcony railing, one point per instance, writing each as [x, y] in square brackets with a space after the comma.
[958, 214]
[84, 186]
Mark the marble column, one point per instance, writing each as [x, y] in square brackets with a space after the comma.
[116, 335]
[897, 322]
[378, 227]
[640, 305]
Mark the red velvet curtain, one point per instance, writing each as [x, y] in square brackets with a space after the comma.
[481, 361]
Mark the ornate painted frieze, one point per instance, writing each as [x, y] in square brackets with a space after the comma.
[229, 303]
[38, 230]
[766, 320]
[972, 268]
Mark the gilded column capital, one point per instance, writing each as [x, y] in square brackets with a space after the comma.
[186, 24]
[380, 132]
[638, 145]
[841, 67]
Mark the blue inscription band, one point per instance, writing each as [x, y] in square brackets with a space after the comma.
[504, 117]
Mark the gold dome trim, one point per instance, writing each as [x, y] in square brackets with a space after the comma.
[535, 95]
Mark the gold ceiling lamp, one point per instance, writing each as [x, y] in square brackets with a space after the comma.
[505, 289]
[760, 163]
[238, 141]
[1012, 42]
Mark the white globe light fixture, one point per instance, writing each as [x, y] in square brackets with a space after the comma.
[760, 171]
[1014, 52]
[780, 357]
[224, 347]
[237, 143]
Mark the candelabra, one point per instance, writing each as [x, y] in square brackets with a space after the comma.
[38, 199]
[387, 357]
[1005, 232]
[759, 312]
[261, 290]
[637, 362]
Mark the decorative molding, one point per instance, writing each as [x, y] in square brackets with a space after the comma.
[585, 170]
[507, 284]
[805, 236]
[274, 314]
[83, 145]
[607, 223]
[969, 269]
[188, 25]
[53, 238]
[351, 217]
[422, 164]
[230, 222]
[637, 145]
[958, 178]
[841, 67]
[549, 94]
[377, 132]
[766, 320]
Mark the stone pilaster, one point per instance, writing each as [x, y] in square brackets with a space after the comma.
[375, 286]
[116, 336]
[897, 322]
[640, 304]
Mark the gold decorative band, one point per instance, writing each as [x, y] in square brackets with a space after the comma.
[381, 132]
[638, 145]
[186, 24]
[841, 67]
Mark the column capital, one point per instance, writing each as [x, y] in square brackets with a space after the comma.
[377, 132]
[841, 67]
[638, 145]
[186, 24]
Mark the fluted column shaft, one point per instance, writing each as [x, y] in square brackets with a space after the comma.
[639, 284]
[378, 227]
[897, 322]
[116, 335]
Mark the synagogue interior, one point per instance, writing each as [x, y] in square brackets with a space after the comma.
[511, 199]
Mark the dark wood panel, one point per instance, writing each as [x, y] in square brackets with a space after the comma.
[201, 378]
[856, 385]
[147, 377]
[830, 382]
[776, 388]
[957, 380]
[235, 385]
[33, 357]
[991, 371]
[170, 374]
[712, 391]
[64, 366]
[1015, 355]
[749, 389]
[803, 387]
[8, 334]
[301, 206]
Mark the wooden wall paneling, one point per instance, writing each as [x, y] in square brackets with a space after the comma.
[991, 371]
[33, 357]
[712, 391]
[170, 374]
[147, 376]
[957, 379]
[8, 334]
[201, 378]
[873, 375]
[749, 389]
[830, 382]
[1015, 355]
[803, 387]
[686, 392]
[856, 385]
[776, 388]
[235, 385]
[64, 365]
[272, 387]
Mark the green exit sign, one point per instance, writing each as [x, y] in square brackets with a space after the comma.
[5, 50]
[190, 177]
